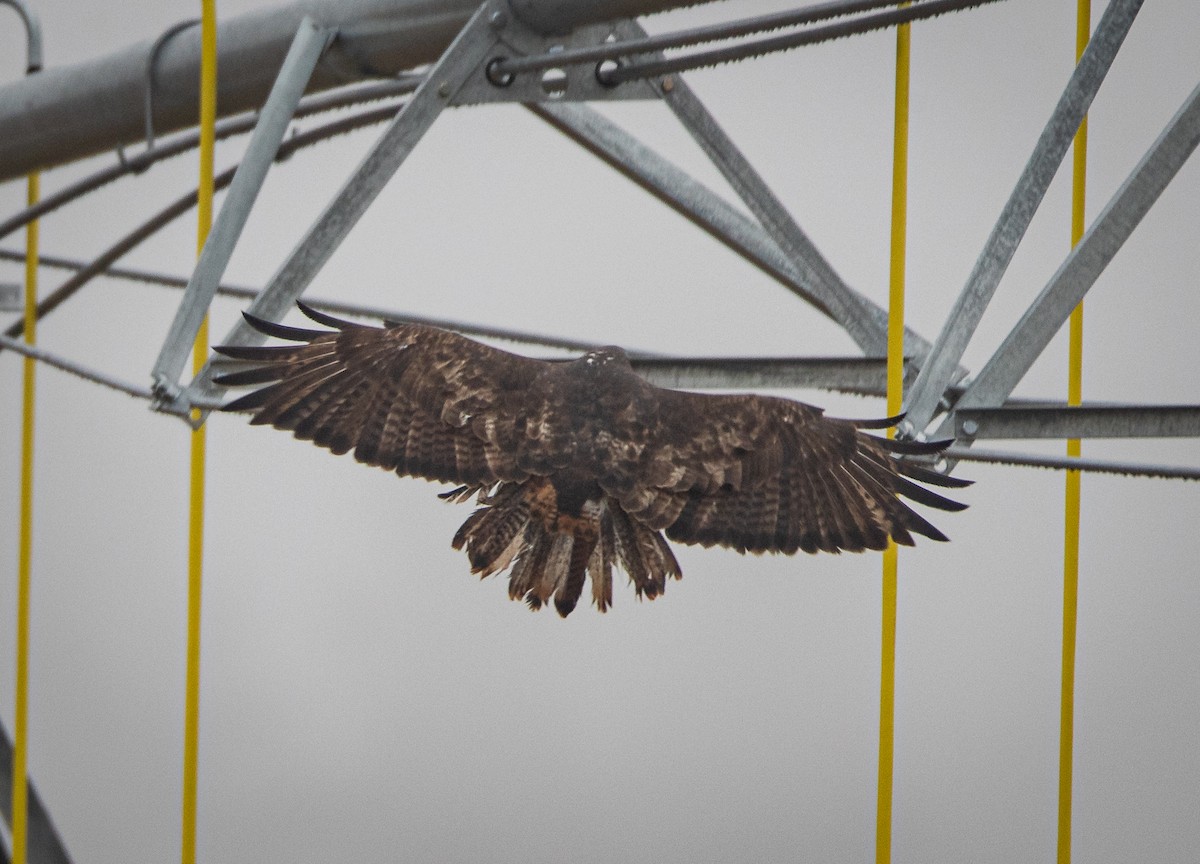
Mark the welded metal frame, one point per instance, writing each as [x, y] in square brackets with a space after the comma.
[1106, 235]
[468, 53]
[773, 240]
[465, 76]
[938, 371]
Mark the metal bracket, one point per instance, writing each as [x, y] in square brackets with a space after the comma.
[33, 34]
[570, 83]
[140, 163]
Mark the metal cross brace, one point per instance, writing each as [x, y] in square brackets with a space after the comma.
[466, 56]
[1067, 288]
[776, 243]
[465, 75]
[938, 371]
[865, 322]
[306, 49]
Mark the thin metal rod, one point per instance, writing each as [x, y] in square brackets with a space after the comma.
[84, 372]
[337, 307]
[937, 372]
[185, 203]
[1064, 463]
[184, 141]
[691, 36]
[276, 114]
[895, 397]
[786, 41]
[1087, 260]
[862, 376]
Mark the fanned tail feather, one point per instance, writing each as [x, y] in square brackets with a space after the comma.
[547, 562]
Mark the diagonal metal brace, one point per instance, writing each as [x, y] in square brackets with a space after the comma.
[307, 47]
[865, 323]
[466, 56]
[1087, 261]
[937, 372]
[698, 204]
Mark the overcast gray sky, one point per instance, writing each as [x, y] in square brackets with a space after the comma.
[365, 697]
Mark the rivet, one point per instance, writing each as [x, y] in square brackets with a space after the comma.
[668, 84]
[970, 427]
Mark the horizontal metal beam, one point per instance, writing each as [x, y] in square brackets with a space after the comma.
[865, 376]
[71, 112]
[1087, 421]
[1060, 463]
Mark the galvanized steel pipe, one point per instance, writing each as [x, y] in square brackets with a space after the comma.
[71, 112]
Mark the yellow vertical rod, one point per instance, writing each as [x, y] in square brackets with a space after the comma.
[895, 398]
[191, 734]
[1066, 735]
[20, 802]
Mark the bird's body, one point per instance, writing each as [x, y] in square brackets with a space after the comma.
[579, 466]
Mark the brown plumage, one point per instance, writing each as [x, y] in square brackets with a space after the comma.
[580, 465]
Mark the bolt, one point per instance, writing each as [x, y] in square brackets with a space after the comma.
[444, 89]
[498, 20]
[668, 84]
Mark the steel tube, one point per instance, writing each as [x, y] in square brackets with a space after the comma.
[71, 112]
[1082, 421]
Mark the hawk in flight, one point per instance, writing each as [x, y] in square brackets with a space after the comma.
[579, 466]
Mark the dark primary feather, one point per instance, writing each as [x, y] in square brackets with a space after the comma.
[580, 466]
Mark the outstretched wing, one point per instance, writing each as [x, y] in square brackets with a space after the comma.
[763, 474]
[410, 398]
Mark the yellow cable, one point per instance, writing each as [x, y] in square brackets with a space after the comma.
[895, 397]
[1066, 735]
[191, 734]
[20, 803]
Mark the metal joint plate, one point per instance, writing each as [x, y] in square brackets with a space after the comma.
[576, 83]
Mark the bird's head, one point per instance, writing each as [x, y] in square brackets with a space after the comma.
[608, 358]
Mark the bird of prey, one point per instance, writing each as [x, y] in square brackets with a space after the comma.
[580, 465]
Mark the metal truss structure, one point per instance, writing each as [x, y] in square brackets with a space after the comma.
[553, 58]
